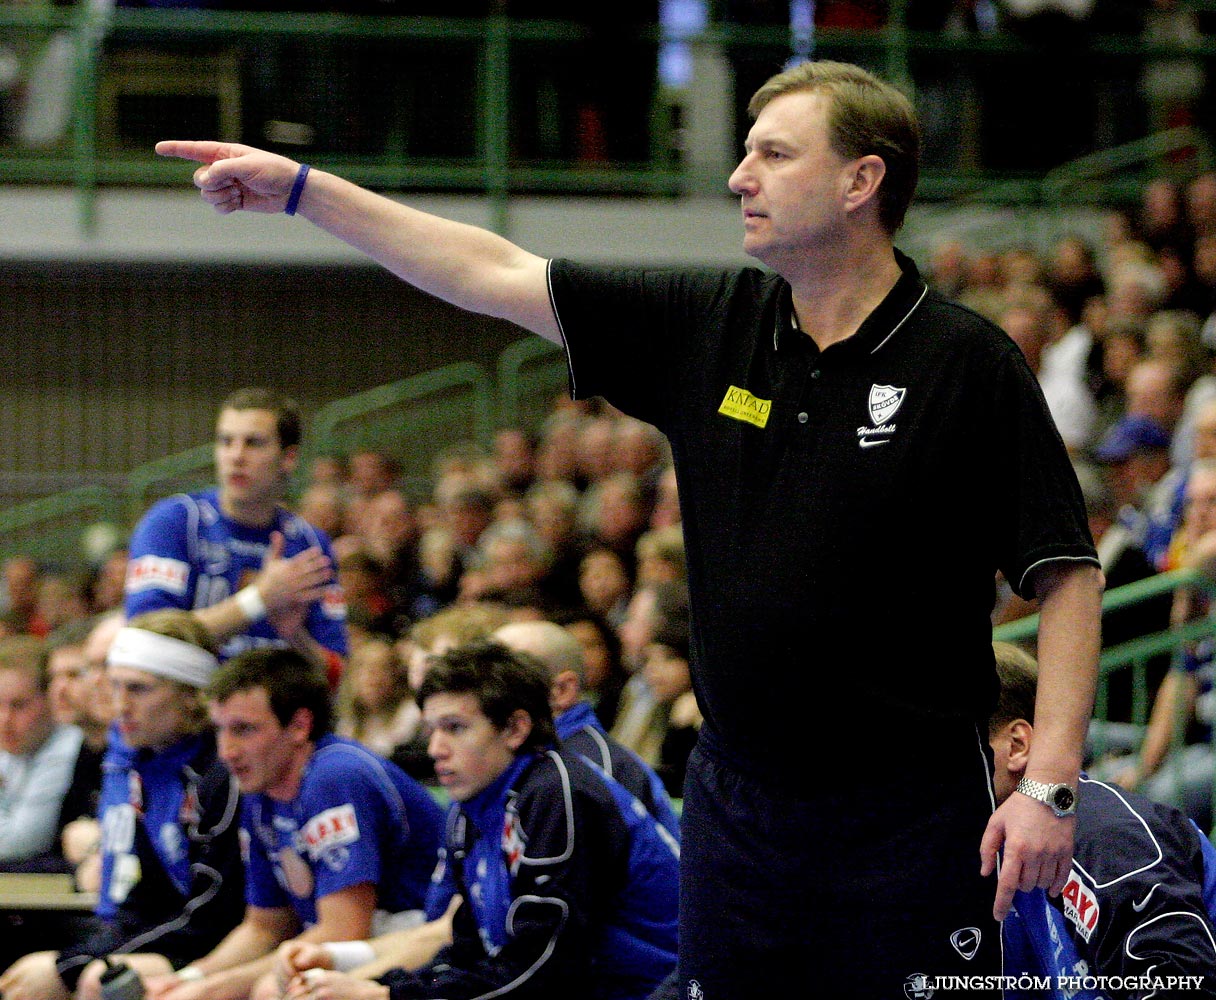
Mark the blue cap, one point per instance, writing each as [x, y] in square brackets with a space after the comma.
[1130, 435]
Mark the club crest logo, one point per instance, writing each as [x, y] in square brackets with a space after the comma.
[694, 990]
[884, 402]
[513, 843]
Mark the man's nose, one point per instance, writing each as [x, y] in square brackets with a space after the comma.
[436, 746]
[741, 180]
[224, 747]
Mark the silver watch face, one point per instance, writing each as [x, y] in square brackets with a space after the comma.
[1063, 799]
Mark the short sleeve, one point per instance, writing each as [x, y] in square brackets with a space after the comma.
[345, 811]
[629, 331]
[1038, 511]
[159, 570]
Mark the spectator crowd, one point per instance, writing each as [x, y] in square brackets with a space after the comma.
[550, 559]
[1121, 332]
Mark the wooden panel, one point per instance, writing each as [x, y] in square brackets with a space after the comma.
[109, 366]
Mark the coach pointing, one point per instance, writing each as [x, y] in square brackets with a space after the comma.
[857, 458]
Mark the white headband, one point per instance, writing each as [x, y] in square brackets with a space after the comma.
[163, 656]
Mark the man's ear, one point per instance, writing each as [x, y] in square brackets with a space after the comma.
[518, 729]
[299, 726]
[564, 690]
[289, 460]
[1021, 735]
[864, 178]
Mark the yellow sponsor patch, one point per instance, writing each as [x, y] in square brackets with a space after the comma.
[739, 404]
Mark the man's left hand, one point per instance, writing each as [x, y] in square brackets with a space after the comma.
[1037, 850]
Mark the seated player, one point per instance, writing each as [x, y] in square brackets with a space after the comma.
[1134, 903]
[578, 727]
[570, 886]
[332, 832]
[171, 874]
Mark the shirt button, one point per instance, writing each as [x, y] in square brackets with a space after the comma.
[803, 417]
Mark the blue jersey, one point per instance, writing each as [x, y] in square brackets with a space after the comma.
[357, 818]
[570, 889]
[186, 554]
[1139, 901]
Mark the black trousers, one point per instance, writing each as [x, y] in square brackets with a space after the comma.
[854, 889]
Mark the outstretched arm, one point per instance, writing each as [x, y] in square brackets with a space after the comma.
[1037, 845]
[466, 266]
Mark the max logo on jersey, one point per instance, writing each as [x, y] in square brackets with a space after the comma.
[330, 829]
[883, 403]
[157, 573]
[333, 604]
[1080, 905]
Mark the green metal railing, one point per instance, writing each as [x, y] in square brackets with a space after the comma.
[530, 373]
[495, 41]
[412, 419]
[1136, 654]
[187, 470]
[86, 165]
[48, 528]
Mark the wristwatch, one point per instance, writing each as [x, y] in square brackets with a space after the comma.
[1061, 798]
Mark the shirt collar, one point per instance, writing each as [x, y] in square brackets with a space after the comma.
[575, 718]
[492, 797]
[877, 329]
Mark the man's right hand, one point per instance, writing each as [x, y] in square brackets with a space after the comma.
[156, 987]
[287, 584]
[236, 177]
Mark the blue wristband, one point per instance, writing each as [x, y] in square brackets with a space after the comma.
[297, 189]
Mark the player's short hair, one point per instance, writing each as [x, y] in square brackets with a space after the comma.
[287, 419]
[459, 624]
[865, 116]
[28, 655]
[1018, 674]
[290, 681]
[70, 635]
[177, 623]
[503, 682]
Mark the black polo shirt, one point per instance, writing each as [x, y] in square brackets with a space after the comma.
[844, 510]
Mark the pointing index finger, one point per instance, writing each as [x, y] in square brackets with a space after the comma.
[201, 151]
[1006, 888]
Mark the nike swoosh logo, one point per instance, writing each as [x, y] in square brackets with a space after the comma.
[867, 443]
[1138, 907]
